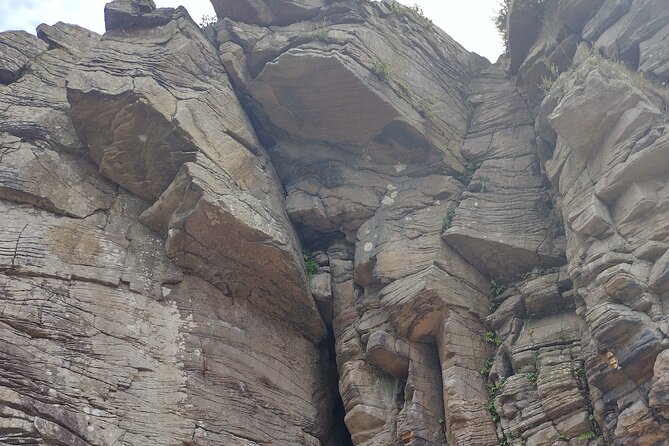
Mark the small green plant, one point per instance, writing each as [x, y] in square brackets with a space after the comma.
[470, 168]
[493, 338]
[533, 375]
[448, 219]
[425, 108]
[579, 372]
[546, 83]
[503, 442]
[493, 307]
[381, 69]
[553, 86]
[494, 389]
[395, 6]
[310, 265]
[207, 20]
[587, 435]
[544, 8]
[564, 437]
[442, 421]
[487, 366]
[500, 21]
[496, 288]
[420, 15]
[321, 35]
[493, 411]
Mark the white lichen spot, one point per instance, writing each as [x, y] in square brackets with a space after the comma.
[53, 392]
[90, 428]
[166, 291]
[96, 412]
[197, 352]
[476, 204]
[392, 194]
[399, 167]
[368, 246]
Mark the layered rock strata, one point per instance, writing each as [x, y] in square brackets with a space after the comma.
[327, 223]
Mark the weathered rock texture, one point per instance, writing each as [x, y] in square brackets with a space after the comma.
[486, 255]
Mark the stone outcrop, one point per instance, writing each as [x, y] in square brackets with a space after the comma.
[17, 49]
[327, 223]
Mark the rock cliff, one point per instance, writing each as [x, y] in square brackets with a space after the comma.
[324, 222]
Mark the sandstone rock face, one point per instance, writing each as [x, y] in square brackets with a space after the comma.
[327, 223]
[607, 204]
[504, 223]
[17, 49]
[268, 12]
[181, 137]
[601, 131]
[105, 339]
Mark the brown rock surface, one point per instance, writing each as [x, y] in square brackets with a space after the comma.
[162, 134]
[503, 223]
[486, 257]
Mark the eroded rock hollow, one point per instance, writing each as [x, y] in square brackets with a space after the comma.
[326, 223]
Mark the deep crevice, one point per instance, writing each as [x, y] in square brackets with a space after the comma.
[339, 434]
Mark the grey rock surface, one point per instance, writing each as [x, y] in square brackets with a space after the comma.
[326, 223]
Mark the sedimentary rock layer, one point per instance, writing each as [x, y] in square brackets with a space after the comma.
[327, 223]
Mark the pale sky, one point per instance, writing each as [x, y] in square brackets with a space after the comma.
[469, 22]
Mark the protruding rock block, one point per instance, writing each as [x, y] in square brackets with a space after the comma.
[590, 217]
[659, 394]
[141, 128]
[345, 136]
[579, 121]
[17, 49]
[174, 131]
[267, 12]
[227, 235]
[388, 353]
[659, 275]
[35, 107]
[542, 296]
[343, 103]
[418, 303]
[320, 286]
[122, 14]
[368, 397]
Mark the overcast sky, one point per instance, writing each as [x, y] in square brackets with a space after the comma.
[469, 22]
